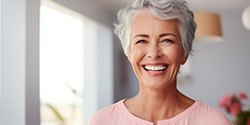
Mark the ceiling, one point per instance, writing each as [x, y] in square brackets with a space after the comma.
[208, 5]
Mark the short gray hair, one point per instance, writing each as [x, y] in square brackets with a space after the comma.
[162, 9]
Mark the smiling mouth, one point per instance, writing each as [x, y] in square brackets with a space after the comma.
[155, 67]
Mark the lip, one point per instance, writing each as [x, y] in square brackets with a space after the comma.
[155, 73]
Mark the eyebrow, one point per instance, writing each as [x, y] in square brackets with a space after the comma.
[161, 35]
[141, 35]
[167, 34]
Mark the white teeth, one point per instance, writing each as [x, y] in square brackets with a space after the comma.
[155, 68]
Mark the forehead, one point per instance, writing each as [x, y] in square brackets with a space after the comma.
[144, 22]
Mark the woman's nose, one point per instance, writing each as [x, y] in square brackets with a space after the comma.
[154, 51]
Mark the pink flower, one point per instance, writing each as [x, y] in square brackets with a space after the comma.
[248, 121]
[235, 108]
[243, 95]
[226, 101]
[233, 103]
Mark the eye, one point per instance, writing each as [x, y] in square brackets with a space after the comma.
[167, 41]
[141, 42]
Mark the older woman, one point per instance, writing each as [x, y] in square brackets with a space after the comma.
[157, 37]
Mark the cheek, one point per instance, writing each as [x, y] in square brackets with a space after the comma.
[175, 55]
[136, 55]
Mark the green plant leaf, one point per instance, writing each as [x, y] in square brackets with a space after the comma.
[56, 113]
[242, 117]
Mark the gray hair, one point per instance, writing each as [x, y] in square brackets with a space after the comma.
[162, 9]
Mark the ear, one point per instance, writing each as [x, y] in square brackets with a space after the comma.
[184, 59]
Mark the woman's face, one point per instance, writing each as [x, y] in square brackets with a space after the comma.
[155, 51]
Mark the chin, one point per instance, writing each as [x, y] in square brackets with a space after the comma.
[158, 84]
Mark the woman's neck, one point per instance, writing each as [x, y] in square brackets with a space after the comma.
[156, 105]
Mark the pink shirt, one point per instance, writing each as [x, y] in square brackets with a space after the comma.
[197, 114]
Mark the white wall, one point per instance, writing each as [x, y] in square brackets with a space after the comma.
[12, 103]
[105, 66]
[98, 69]
[217, 68]
[221, 68]
[16, 63]
[0, 44]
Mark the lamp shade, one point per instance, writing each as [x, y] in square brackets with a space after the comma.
[246, 17]
[208, 26]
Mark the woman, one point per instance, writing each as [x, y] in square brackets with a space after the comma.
[157, 37]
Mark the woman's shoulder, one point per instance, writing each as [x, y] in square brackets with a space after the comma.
[105, 114]
[210, 115]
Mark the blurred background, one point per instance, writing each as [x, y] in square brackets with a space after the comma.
[61, 62]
